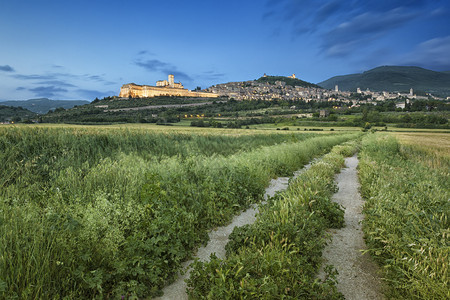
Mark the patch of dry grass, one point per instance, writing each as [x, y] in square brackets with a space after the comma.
[432, 148]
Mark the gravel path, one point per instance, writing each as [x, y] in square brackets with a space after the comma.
[219, 238]
[357, 277]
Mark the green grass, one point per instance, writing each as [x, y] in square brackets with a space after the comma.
[407, 225]
[279, 255]
[106, 212]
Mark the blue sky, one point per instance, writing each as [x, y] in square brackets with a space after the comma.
[85, 49]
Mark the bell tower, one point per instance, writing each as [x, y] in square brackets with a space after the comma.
[171, 81]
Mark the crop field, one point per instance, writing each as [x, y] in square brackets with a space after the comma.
[433, 148]
[407, 188]
[110, 212]
[278, 256]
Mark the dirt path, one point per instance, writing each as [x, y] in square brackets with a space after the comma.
[357, 277]
[219, 238]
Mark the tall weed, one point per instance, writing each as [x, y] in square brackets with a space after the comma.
[278, 256]
[109, 214]
[406, 225]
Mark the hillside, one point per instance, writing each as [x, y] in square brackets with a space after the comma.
[43, 105]
[16, 114]
[289, 81]
[393, 79]
[144, 110]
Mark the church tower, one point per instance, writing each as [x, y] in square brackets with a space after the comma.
[171, 81]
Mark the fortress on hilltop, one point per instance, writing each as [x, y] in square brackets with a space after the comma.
[163, 88]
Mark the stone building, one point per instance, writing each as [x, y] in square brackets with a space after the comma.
[163, 88]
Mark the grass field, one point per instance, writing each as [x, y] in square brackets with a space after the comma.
[278, 256]
[432, 142]
[112, 211]
[406, 185]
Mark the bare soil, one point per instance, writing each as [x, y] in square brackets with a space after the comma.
[218, 238]
[358, 275]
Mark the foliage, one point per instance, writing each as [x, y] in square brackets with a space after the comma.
[289, 81]
[15, 114]
[406, 225]
[43, 105]
[278, 256]
[110, 213]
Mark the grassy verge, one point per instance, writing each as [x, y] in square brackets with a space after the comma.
[96, 216]
[279, 255]
[407, 225]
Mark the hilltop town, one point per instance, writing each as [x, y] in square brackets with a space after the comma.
[281, 89]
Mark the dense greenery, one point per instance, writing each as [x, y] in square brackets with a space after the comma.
[289, 81]
[114, 102]
[43, 105]
[108, 213]
[374, 117]
[278, 256]
[15, 114]
[407, 225]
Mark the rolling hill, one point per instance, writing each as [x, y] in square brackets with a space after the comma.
[11, 113]
[393, 79]
[288, 80]
[43, 105]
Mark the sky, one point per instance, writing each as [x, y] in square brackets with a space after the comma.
[86, 49]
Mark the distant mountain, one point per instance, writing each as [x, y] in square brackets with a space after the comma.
[393, 79]
[11, 113]
[43, 105]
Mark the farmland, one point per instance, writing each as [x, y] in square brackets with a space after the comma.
[406, 227]
[406, 185]
[113, 211]
[103, 212]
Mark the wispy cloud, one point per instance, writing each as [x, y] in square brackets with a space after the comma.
[145, 52]
[47, 91]
[92, 94]
[6, 68]
[432, 54]
[345, 26]
[56, 83]
[210, 75]
[47, 76]
[363, 28]
[155, 65]
[63, 84]
[98, 78]
[62, 79]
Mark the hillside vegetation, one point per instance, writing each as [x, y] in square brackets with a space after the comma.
[15, 114]
[43, 105]
[288, 81]
[393, 79]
